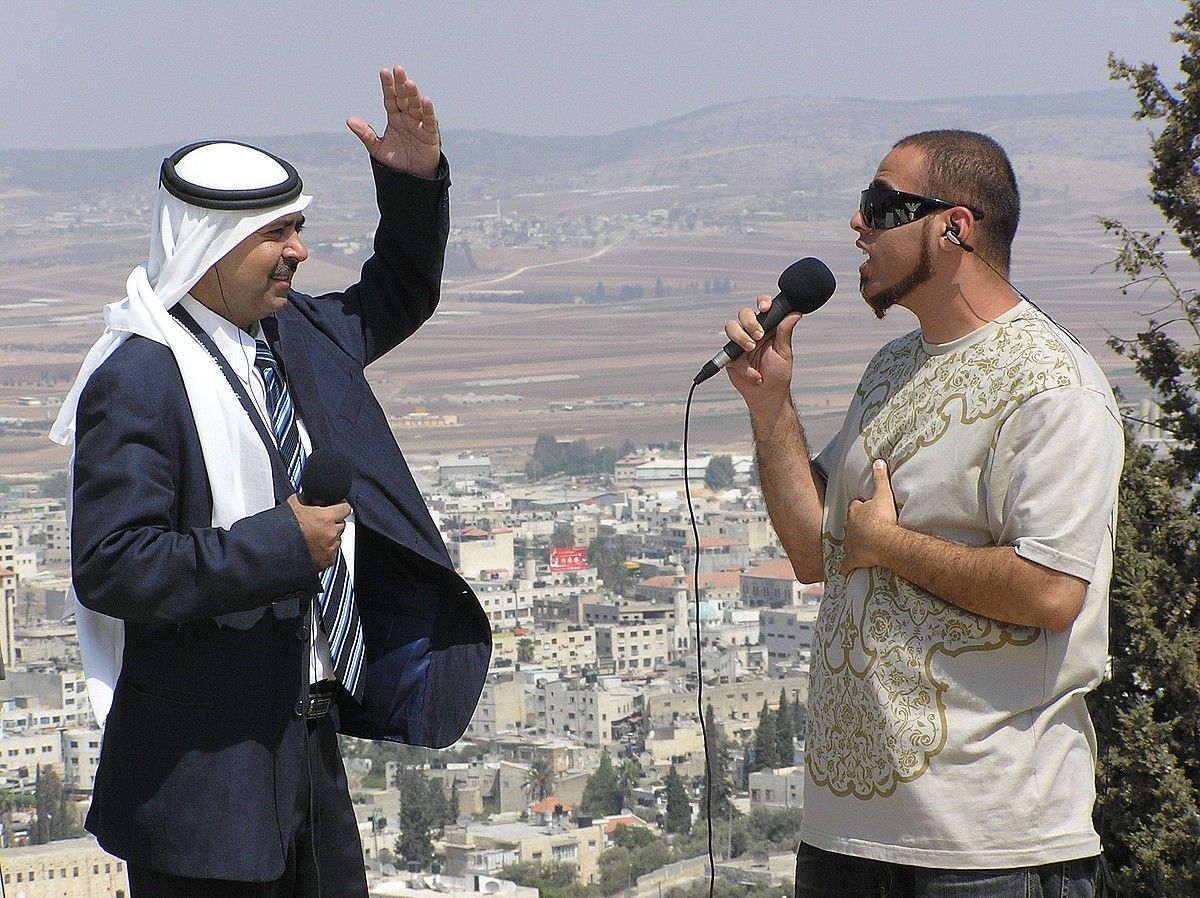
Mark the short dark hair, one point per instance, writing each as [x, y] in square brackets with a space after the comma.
[972, 169]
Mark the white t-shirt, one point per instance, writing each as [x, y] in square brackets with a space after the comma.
[937, 737]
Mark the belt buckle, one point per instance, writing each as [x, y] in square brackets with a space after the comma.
[319, 702]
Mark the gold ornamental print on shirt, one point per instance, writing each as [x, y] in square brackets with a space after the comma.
[886, 654]
[879, 714]
[909, 399]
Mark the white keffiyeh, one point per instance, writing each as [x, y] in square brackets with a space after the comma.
[185, 242]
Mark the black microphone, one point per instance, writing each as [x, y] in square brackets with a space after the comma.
[326, 478]
[804, 287]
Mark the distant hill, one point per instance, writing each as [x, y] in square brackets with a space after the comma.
[779, 143]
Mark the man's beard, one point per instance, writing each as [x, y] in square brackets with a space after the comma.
[920, 273]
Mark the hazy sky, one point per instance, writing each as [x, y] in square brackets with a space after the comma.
[125, 73]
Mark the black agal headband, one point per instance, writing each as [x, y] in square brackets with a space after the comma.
[282, 186]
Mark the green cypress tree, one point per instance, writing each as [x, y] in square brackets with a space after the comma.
[718, 768]
[679, 808]
[783, 730]
[719, 475]
[602, 794]
[766, 741]
[418, 817]
[52, 821]
[799, 718]
[1147, 713]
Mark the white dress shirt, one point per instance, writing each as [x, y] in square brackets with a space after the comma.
[239, 351]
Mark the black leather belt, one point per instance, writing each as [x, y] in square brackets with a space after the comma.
[320, 698]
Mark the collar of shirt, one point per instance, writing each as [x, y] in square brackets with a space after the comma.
[234, 343]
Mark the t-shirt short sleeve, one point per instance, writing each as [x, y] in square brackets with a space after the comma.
[823, 463]
[1053, 478]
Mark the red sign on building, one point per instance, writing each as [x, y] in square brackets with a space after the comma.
[571, 558]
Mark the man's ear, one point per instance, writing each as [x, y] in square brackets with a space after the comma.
[959, 228]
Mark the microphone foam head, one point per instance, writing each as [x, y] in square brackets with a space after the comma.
[807, 284]
[326, 477]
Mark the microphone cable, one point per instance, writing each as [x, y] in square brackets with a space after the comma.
[687, 489]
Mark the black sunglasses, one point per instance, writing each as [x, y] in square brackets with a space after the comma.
[883, 208]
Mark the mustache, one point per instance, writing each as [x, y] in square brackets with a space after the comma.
[285, 269]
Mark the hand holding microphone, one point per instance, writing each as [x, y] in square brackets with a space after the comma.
[804, 287]
[321, 508]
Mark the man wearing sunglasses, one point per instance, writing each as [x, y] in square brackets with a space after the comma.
[962, 521]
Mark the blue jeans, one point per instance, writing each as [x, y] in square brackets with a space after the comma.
[823, 874]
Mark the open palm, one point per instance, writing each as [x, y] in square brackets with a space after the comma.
[411, 141]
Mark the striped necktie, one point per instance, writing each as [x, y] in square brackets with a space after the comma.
[339, 616]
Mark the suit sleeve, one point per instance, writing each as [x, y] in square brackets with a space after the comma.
[134, 557]
[400, 284]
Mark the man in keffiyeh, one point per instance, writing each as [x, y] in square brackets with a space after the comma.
[230, 630]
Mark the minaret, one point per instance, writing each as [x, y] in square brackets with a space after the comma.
[682, 630]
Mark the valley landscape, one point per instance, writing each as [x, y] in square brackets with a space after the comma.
[588, 279]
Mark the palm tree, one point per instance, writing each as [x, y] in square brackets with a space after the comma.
[525, 650]
[539, 782]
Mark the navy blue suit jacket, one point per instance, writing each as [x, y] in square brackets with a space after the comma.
[204, 743]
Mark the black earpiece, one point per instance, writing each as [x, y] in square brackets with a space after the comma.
[952, 235]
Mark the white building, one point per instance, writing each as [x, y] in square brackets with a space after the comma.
[483, 555]
[586, 709]
[782, 788]
[22, 754]
[787, 633]
[81, 757]
[8, 616]
[773, 584]
[636, 648]
[501, 707]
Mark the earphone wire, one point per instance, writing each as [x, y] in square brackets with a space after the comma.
[952, 236]
[1103, 874]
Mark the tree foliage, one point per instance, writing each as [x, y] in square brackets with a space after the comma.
[629, 775]
[539, 782]
[525, 652]
[678, 818]
[553, 880]
[761, 831]
[719, 475]
[602, 793]
[633, 837]
[53, 819]
[621, 865]
[552, 457]
[723, 888]
[783, 730]
[766, 742]
[608, 555]
[721, 784]
[424, 813]
[1147, 713]
[563, 536]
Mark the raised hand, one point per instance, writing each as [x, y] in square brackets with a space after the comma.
[411, 142]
